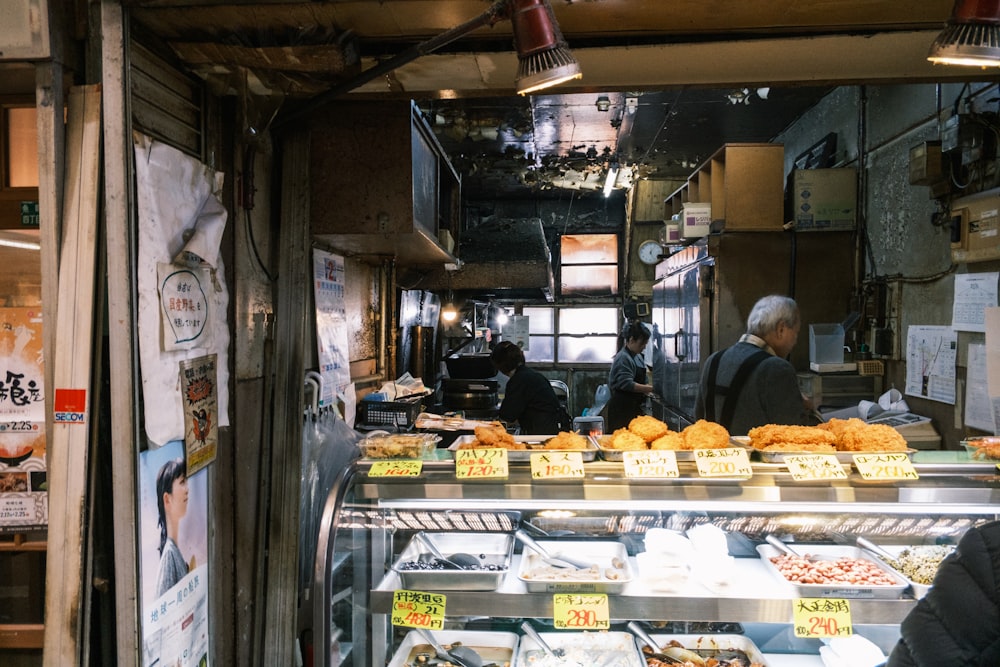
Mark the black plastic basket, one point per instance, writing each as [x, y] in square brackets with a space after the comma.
[395, 413]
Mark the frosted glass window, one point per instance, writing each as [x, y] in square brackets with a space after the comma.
[588, 248]
[541, 349]
[588, 264]
[540, 320]
[582, 321]
[589, 349]
[589, 280]
[22, 147]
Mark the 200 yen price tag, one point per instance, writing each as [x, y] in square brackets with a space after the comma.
[401, 468]
[556, 465]
[416, 609]
[727, 462]
[822, 617]
[887, 465]
[655, 463]
[814, 466]
[481, 463]
[580, 611]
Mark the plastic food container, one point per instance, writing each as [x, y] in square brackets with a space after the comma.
[837, 589]
[381, 445]
[497, 647]
[987, 448]
[492, 549]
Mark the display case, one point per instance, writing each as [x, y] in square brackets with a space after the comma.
[370, 520]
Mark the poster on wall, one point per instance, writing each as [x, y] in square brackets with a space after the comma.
[23, 476]
[173, 532]
[201, 411]
[331, 326]
[931, 355]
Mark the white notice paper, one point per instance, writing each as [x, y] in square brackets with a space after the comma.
[930, 362]
[978, 413]
[993, 359]
[974, 293]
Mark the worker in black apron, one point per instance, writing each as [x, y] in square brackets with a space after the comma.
[627, 379]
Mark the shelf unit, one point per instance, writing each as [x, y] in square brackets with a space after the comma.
[25, 635]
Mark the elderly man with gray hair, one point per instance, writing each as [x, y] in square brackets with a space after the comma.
[752, 383]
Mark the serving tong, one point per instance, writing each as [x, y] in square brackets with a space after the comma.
[553, 559]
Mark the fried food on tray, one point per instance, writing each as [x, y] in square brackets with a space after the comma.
[841, 426]
[705, 435]
[772, 434]
[814, 448]
[985, 448]
[670, 440]
[625, 440]
[565, 440]
[647, 427]
[872, 438]
[492, 435]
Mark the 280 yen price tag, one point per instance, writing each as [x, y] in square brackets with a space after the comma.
[728, 462]
[887, 465]
[580, 611]
[822, 617]
[655, 463]
[556, 465]
[401, 468]
[416, 609]
[814, 466]
[481, 463]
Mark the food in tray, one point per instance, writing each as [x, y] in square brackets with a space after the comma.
[607, 649]
[538, 569]
[700, 435]
[983, 448]
[919, 564]
[397, 446]
[836, 435]
[842, 570]
[438, 564]
[495, 435]
[421, 655]
[647, 427]
[699, 658]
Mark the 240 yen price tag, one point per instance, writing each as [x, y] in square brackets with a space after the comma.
[416, 609]
[887, 465]
[822, 617]
[728, 462]
[402, 468]
[481, 463]
[557, 465]
[580, 611]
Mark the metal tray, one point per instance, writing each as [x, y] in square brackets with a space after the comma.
[598, 552]
[836, 590]
[494, 647]
[918, 590]
[612, 454]
[492, 548]
[535, 443]
[710, 645]
[607, 649]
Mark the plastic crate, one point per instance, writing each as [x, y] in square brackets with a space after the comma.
[871, 367]
[396, 413]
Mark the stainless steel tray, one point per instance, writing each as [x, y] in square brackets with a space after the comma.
[835, 590]
[710, 645]
[491, 548]
[533, 570]
[612, 454]
[607, 649]
[498, 647]
[534, 443]
[918, 590]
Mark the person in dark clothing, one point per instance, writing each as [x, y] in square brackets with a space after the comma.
[751, 383]
[627, 378]
[958, 622]
[529, 399]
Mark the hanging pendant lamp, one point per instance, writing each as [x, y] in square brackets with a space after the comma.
[971, 37]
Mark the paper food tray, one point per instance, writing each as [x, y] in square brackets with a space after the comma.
[534, 443]
[607, 649]
[612, 454]
[836, 590]
[602, 553]
[498, 647]
[711, 645]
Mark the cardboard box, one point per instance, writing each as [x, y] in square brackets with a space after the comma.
[980, 220]
[824, 199]
[696, 220]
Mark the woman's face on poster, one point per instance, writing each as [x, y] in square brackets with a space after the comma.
[176, 500]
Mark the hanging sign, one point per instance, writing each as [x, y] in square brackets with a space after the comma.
[416, 609]
[201, 411]
[185, 312]
[822, 617]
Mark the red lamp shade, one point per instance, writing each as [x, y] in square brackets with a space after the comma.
[971, 37]
[543, 56]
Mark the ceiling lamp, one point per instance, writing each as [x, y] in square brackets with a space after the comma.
[603, 103]
[612, 177]
[971, 37]
[543, 57]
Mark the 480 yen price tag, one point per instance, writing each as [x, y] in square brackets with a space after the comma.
[481, 463]
[580, 611]
[416, 609]
[822, 617]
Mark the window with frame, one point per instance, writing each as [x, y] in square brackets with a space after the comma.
[588, 265]
[577, 334]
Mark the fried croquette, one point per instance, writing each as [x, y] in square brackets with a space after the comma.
[670, 440]
[492, 435]
[812, 448]
[705, 435]
[872, 438]
[647, 427]
[770, 434]
[625, 440]
[565, 440]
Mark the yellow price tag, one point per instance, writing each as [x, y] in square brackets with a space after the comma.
[400, 468]
[416, 609]
[481, 463]
[885, 465]
[556, 465]
[822, 617]
[727, 462]
[814, 466]
[580, 611]
[654, 463]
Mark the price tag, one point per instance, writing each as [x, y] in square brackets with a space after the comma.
[654, 463]
[400, 468]
[481, 463]
[727, 462]
[556, 465]
[580, 611]
[415, 609]
[822, 617]
[814, 466]
[886, 465]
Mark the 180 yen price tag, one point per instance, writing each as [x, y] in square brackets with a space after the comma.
[416, 609]
[728, 462]
[556, 465]
[580, 611]
[481, 463]
[887, 465]
[401, 468]
[822, 617]
[814, 466]
[654, 463]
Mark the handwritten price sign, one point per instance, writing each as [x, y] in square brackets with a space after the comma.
[415, 609]
[727, 462]
[658, 463]
[580, 611]
[888, 465]
[822, 617]
[481, 463]
[814, 466]
[557, 465]
[401, 468]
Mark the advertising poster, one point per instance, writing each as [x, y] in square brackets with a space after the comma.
[201, 411]
[331, 325]
[23, 478]
[173, 533]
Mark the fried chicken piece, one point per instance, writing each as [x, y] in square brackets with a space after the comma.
[647, 427]
[495, 435]
[705, 435]
[625, 440]
[565, 440]
[769, 434]
[840, 426]
[872, 438]
[670, 440]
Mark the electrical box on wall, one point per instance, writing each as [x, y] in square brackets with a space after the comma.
[979, 237]
[825, 199]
